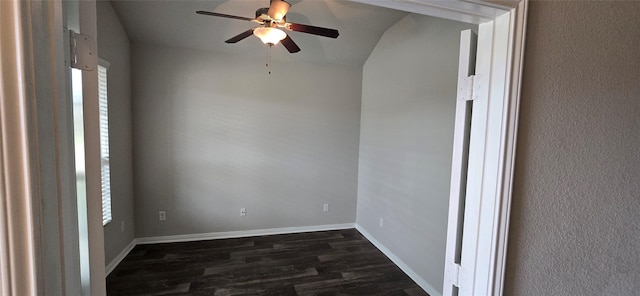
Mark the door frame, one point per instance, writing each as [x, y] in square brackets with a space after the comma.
[38, 215]
[494, 154]
[36, 178]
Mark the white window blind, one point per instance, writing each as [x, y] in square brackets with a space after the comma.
[104, 144]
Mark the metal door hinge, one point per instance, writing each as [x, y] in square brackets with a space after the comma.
[82, 51]
[456, 275]
[452, 274]
[471, 85]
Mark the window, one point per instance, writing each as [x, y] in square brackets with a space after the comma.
[104, 142]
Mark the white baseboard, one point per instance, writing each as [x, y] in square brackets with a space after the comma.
[412, 274]
[237, 234]
[112, 265]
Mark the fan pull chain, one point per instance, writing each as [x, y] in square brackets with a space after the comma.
[269, 58]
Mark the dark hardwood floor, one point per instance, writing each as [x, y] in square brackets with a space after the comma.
[340, 262]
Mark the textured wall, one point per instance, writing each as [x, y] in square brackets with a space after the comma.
[113, 46]
[406, 141]
[214, 133]
[575, 224]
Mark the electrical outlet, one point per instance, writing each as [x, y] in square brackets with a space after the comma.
[122, 226]
[243, 212]
[381, 222]
[325, 207]
[162, 215]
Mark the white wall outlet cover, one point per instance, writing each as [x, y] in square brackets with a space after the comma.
[325, 207]
[162, 215]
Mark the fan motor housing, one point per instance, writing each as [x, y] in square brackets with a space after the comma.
[262, 14]
[262, 11]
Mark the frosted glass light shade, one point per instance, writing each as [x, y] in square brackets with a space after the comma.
[269, 35]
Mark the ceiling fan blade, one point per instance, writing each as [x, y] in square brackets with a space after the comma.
[291, 46]
[240, 36]
[331, 33]
[278, 9]
[224, 15]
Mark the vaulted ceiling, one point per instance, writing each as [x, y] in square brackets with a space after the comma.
[175, 24]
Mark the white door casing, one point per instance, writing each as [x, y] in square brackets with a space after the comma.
[490, 167]
[460, 159]
[82, 18]
[37, 153]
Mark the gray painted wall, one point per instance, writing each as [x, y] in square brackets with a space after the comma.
[575, 227]
[113, 46]
[214, 133]
[406, 141]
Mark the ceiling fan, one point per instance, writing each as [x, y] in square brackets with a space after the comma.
[271, 19]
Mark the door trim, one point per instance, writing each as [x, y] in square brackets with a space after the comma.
[460, 159]
[17, 230]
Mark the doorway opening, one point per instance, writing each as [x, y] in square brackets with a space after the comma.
[501, 136]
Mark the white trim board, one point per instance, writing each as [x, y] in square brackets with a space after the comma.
[237, 234]
[116, 261]
[403, 266]
[474, 12]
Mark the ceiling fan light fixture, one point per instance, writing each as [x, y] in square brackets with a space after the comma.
[268, 35]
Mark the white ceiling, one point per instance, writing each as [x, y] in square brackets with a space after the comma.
[175, 24]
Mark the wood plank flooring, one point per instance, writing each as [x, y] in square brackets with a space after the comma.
[340, 262]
